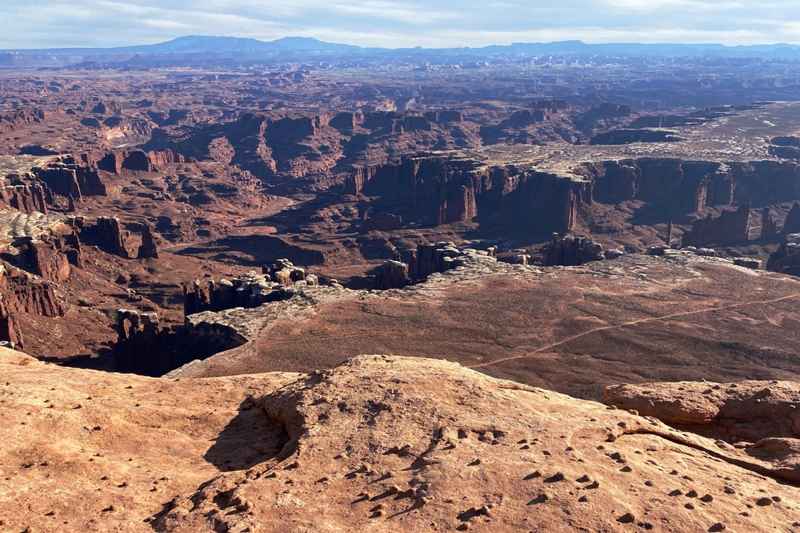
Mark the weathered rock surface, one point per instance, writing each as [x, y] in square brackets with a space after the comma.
[786, 259]
[379, 443]
[449, 189]
[247, 291]
[745, 410]
[731, 227]
[760, 417]
[572, 250]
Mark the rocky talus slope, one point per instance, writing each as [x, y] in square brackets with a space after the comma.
[378, 443]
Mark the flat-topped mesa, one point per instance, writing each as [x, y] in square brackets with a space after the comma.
[69, 176]
[444, 189]
[112, 236]
[571, 250]
[104, 232]
[120, 161]
[25, 193]
[49, 257]
[251, 290]
[687, 187]
[786, 259]
[730, 228]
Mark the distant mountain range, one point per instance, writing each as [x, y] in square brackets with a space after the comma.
[204, 49]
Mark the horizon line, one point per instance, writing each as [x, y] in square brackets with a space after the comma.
[454, 47]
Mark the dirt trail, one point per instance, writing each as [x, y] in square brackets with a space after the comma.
[634, 323]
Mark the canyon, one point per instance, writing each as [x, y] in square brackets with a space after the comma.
[296, 286]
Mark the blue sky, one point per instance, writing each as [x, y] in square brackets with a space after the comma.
[55, 23]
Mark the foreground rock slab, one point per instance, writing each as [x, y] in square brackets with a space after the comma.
[379, 443]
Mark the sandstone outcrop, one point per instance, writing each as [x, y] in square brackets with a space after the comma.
[148, 249]
[106, 233]
[571, 250]
[792, 222]
[760, 417]
[786, 259]
[23, 292]
[247, 291]
[443, 190]
[731, 227]
[391, 275]
[114, 237]
[377, 443]
[25, 194]
[71, 177]
[48, 257]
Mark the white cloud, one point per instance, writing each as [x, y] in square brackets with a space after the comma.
[399, 23]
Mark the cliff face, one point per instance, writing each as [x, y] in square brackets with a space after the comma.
[25, 196]
[731, 227]
[440, 190]
[112, 236]
[690, 186]
[786, 259]
[72, 177]
[445, 189]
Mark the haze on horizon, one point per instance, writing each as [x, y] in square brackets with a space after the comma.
[406, 23]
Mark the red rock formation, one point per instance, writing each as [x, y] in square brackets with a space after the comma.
[731, 227]
[346, 122]
[25, 196]
[138, 161]
[745, 411]
[111, 162]
[571, 250]
[443, 190]
[43, 257]
[70, 176]
[679, 186]
[9, 331]
[769, 226]
[148, 248]
[445, 116]
[60, 179]
[792, 222]
[104, 232]
[391, 275]
[24, 292]
[786, 259]
[161, 159]
[246, 291]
